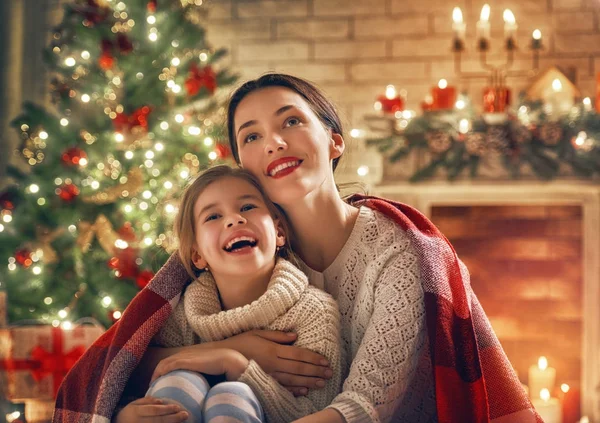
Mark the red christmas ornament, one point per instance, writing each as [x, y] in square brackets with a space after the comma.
[199, 78]
[7, 201]
[124, 123]
[67, 192]
[106, 61]
[73, 155]
[126, 232]
[144, 278]
[23, 257]
[222, 151]
[124, 44]
[152, 6]
[124, 263]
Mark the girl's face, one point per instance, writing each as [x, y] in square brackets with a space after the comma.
[283, 143]
[235, 232]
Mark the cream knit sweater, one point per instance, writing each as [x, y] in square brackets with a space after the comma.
[289, 304]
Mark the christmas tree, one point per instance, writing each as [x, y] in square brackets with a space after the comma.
[137, 111]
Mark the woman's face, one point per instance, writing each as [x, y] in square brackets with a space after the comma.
[283, 143]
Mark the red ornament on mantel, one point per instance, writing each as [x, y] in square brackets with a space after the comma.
[496, 99]
[443, 96]
[67, 192]
[390, 102]
[73, 155]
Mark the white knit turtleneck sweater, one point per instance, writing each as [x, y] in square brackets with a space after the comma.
[290, 304]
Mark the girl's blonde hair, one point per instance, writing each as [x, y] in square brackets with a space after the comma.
[185, 228]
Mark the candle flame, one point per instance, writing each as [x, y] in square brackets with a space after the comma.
[545, 394]
[509, 17]
[565, 388]
[463, 126]
[457, 16]
[442, 84]
[485, 13]
[580, 140]
[390, 92]
[537, 34]
[543, 363]
[556, 85]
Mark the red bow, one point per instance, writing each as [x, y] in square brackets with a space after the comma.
[55, 363]
[199, 78]
[124, 123]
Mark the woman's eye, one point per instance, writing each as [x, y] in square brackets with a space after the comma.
[292, 121]
[211, 217]
[247, 207]
[250, 138]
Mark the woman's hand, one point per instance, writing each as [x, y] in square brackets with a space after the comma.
[214, 361]
[296, 369]
[151, 410]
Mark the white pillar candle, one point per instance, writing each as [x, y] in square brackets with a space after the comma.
[541, 377]
[548, 408]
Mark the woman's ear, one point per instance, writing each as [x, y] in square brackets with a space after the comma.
[197, 259]
[336, 145]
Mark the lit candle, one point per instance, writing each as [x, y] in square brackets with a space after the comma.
[541, 377]
[483, 25]
[510, 27]
[558, 99]
[458, 25]
[571, 404]
[444, 96]
[463, 126]
[548, 408]
[391, 102]
[536, 39]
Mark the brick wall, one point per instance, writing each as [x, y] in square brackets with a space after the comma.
[354, 48]
[526, 268]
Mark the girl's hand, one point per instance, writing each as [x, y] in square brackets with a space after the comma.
[296, 369]
[151, 410]
[214, 361]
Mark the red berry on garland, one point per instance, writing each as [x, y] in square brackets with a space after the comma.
[222, 151]
[152, 6]
[67, 192]
[126, 232]
[144, 278]
[23, 257]
[73, 156]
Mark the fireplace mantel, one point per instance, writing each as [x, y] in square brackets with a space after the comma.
[425, 196]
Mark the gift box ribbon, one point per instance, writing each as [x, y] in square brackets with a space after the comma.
[55, 363]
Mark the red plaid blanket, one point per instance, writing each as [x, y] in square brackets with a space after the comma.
[473, 377]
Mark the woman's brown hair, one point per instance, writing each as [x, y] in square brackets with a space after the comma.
[185, 228]
[318, 102]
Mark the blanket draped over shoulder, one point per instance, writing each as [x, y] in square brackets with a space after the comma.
[474, 380]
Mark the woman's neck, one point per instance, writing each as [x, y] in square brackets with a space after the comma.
[322, 223]
[238, 291]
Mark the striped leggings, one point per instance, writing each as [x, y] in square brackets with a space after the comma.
[226, 402]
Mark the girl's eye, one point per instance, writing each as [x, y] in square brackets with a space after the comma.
[293, 121]
[247, 207]
[211, 217]
[250, 138]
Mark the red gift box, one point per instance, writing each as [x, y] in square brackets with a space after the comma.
[35, 359]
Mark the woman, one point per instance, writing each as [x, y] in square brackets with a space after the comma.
[419, 347]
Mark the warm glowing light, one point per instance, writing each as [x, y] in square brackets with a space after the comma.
[208, 141]
[121, 244]
[7, 218]
[545, 394]
[149, 154]
[509, 17]
[85, 98]
[48, 300]
[460, 104]
[556, 85]
[106, 301]
[153, 36]
[33, 188]
[485, 13]
[443, 84]
[66, 325]
[543, 363]
[44, 135]
[148, 241]
[184, 174]
[119, 137]
[212, 155]
[85, 54]
[565, 388]
[463, 126]
[128, 208]
[151, 19]
[147, 194]
[179, 118]
[194, 130]
[168, 185]
[159, 147]
[390, 92]
[36, 270]
[64, 122]
[70, 61]
[129, 154]
[169, 208]
[362, 170]
[581, 137]
[117, 315]
[537, 34]
[164, 126]
[457, 16]
[62, 313]
[355, 133]
[175, 61]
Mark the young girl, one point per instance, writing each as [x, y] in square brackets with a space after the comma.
[229, 229]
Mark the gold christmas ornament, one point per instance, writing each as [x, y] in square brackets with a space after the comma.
[133, 186]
